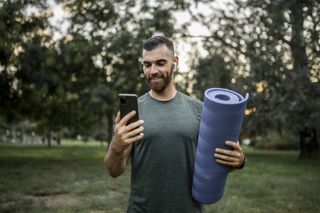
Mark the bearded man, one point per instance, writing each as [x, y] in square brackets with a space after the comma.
[162, 144]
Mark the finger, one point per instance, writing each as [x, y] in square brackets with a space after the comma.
[127, 117]
[232, 164]
[134, 125]
[237, 148]
[118, 117]
[226, 158]
[134, 139]
[135, 132]
[234, 145]
[228, 152]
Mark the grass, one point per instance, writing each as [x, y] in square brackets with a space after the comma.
[72, 178]
[273, 181]
[60, 179]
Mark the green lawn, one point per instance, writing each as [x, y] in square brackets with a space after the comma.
[72, 178]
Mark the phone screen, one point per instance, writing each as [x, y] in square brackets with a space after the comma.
[128, 103]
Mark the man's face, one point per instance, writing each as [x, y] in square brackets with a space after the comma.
[158, 67]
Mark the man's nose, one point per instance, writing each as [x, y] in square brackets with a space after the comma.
[153, 69]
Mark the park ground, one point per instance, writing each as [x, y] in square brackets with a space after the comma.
[72, 178]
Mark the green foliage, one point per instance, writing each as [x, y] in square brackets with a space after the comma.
[211, 72]
[276, 141]
[272, 48]
[267, 48]
[16, 30]
[72, 83]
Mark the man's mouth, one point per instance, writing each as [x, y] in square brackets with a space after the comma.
[155, 79]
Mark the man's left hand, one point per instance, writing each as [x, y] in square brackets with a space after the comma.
[233, 158]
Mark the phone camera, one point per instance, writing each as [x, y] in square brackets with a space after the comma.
[123, 100]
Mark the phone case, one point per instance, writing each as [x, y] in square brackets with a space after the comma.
[128, 103]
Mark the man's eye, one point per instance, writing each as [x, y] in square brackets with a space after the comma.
[147, 65]
[161, 63]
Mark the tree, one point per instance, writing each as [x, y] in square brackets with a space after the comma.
[117, 29]
[274, 50]
[18, 26]
[211, 72]
[72, 83]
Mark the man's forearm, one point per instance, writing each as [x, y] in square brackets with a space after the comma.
[116, 160]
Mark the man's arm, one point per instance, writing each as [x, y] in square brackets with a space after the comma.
[121, 146]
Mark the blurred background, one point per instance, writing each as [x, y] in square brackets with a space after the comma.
[63, 63]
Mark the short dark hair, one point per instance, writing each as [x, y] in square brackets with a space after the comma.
[155, 41]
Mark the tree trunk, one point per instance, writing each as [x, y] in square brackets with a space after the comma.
[110, 126]
[309, 148]
[49, 138]
[58, 139]
[308, 138]
[298, 45]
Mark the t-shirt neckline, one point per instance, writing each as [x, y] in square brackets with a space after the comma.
[164, 101]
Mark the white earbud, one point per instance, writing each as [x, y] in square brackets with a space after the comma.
[174, 66]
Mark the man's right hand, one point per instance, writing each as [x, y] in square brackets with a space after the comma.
[126, 134]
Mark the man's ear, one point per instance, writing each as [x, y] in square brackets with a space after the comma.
[175, 63]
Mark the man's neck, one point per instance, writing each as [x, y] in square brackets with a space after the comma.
[168, 94]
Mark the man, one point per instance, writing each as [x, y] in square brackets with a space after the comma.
[162, 144]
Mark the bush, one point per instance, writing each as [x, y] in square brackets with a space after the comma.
[276, 141]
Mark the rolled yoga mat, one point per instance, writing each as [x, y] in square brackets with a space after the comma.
[221, 120]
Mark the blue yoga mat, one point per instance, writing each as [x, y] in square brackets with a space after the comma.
[221, 120]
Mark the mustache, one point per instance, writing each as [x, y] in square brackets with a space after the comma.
[157, 75]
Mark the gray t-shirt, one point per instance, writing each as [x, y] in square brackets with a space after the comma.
[162, 163]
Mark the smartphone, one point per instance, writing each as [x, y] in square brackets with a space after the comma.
[128, 103]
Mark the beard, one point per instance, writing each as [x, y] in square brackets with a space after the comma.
[159, 81]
